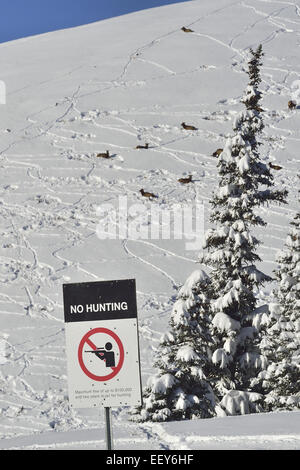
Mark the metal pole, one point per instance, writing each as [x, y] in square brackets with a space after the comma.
[108, 427]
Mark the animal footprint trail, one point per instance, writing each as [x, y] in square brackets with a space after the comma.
[52, 152]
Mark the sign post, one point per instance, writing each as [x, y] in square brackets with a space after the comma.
[108, 428]
[102, 346]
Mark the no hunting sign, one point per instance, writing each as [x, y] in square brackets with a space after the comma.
[102, 344]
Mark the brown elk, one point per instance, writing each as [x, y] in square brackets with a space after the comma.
[217, 153]
[291, 104]
[142, 146]
[185, 180]
[186, 30]
[275, 167]
[146, 194]
[188, 127]
[103, 155]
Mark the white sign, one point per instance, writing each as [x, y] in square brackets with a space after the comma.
[102, 344]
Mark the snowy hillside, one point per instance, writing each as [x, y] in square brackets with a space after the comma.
[113, 85]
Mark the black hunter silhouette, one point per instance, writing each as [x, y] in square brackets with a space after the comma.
[105, 354]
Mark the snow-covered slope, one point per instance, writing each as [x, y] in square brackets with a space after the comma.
[277, 431]
[113, 85]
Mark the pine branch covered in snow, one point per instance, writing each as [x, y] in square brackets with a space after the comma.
[180, 390]
[230, 249]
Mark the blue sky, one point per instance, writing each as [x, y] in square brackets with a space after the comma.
[21, 18]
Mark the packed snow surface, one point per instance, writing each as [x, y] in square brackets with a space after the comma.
[113, 85]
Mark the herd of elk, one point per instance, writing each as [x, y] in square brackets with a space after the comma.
[217, 153]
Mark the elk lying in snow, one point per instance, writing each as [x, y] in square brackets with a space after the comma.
[291, 104]
[275, 167]
[186, 30]
[188, 128]
[185, 180]
[217, 153]
[146, 194]
[103, 155]
[142, 146]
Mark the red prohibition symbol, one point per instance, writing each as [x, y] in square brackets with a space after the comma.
[86, 339]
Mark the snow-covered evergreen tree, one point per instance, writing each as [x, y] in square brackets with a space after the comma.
[252, 94]
[230, 250]
[179, 390]
[281, 343]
